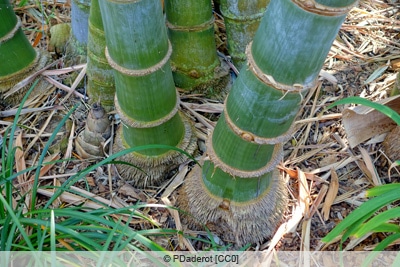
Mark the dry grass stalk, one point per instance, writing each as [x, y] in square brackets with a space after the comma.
[369, 168]
[331, 195]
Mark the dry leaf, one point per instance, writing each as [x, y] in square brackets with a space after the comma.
[304, 193]
[177, 181]
[292, 173]
[331, 195]
[129, 190]
[305, 238]
[395, 64]
[20, 165]
[329, 159]
[361, 123]
[318, 200]
[391, 144]
[47, 167]
[370, 171]
[20, 160]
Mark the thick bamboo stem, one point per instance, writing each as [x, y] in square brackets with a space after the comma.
[242, 18]
[18, 59]
[238, 184]
[80, 10]
[146, 99]
[194, 60]
[100, 86]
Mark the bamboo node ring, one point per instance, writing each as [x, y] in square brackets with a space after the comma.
[139, 72]
[145, 124]
[276, 157]
[11, 34]
[317, 8]
[250, 137]
[269, 80]
[194, 28]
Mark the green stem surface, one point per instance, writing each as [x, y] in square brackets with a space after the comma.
[101, 85]
[16, 53]
[137, 42]
[290, 46]
[191, 31]
[242, 18]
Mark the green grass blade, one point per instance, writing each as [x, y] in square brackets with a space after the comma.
[9, 190]
[368, 207]
[387, 241]
[42, 235]
[119, 243]
[3, 174]
[113, 233]
[371, 256]
[377, 220]
[387, 228]
[76, 236]
[10, 232]
[43, 155]
[96, 224]
[351, 229]
[153, 246]
[15, 175]
[15, 123]
[52, 231]
[362, 101]
[17, 222]
[5, 231]
[9, 162]
[383, 189]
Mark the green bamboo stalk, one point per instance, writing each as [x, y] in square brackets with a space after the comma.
[100, 83]
[238, 189]
[80, 10]
[75, 50]
[146, 98]
[18, 59]
[242, 18]
[194, 59]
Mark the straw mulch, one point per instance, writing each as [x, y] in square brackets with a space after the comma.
[326, 174]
